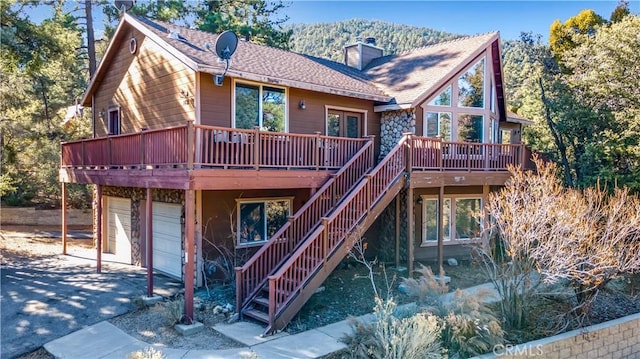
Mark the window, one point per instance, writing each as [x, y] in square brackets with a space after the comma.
[471, 87]
[460, 219]
[439, 124]
[443, 99]
[467, 225]
[262, 106]
[114, 121]
[431, 219]
[470, 128]
[505, 136]
[344, 124]
[260, 219]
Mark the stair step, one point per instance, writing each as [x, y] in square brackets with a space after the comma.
[261, 301]
[257, 315]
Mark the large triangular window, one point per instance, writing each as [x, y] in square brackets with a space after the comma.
[443, 99]
[471, 86]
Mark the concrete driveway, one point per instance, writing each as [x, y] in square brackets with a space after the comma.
[47, 297]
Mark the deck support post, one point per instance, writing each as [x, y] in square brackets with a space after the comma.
[410, 231]
[149, 235]
[64, 217]
[410, 204]
[189, 229]
[441, 233]
[99, 228]
[485, 218]
[397, 231]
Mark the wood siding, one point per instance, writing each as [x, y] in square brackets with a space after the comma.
[219, 208]
[215, 101]
[146, 86]
[216, 108]
[313, 118]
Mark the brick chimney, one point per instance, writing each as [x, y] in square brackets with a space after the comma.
[360, 54]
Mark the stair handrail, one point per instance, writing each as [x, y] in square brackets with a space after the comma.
[283, 288]
[254, 273]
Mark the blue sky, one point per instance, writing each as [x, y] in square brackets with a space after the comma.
[464, 17]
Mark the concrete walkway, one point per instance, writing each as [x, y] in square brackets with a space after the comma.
[104, 340]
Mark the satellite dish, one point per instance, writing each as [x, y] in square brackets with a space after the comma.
[123, 5]
[225, 46]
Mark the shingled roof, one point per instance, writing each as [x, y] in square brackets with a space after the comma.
[268, 64]
[408, 77]
[403, 79]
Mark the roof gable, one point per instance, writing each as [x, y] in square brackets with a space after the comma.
[409, 77]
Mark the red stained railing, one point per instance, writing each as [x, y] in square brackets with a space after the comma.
[207, 146]
[310, 256]
[435, 154]
[253, 275]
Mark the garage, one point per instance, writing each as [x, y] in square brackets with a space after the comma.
[119, 229]
[167, 239]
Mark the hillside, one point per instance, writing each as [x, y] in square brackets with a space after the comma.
[326, 40]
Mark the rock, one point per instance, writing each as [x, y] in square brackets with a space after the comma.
[402, 288]
[218, 309]
[452, 262]
[319, 290]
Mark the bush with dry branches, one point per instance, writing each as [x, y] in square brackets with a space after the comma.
[584, 238]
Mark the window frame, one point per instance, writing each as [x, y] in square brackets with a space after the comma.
[261, 87]
[486, 111]
[118, 112]
[453, 240]
[263, 200]
[329, 108]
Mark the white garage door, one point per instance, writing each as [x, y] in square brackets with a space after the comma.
[167, 238]
[119, 228]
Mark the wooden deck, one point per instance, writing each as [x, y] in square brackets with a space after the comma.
[207, 157]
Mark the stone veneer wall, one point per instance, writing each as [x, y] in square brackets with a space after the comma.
[136, 195]
[392, 125]
[29, 216]
[619, 338]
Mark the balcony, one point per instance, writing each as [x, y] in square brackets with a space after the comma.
[208, 157]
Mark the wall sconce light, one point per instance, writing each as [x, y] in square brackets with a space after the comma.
[101, 114]
[419, 200]
[302, 105]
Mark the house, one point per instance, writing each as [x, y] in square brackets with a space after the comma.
[289, 159]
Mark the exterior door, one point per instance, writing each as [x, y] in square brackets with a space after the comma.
[167, 238]
[119, 228]
[344, 124]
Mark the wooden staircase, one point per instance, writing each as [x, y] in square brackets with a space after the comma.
[251, 278]
[296, 277]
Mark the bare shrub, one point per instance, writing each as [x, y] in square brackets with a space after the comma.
[469, 325]
[173, 311]
[584, 238]
[147, 353]
[393, 337]
[393, 333]
[426, 287]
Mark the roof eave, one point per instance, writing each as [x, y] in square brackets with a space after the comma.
[392, 107]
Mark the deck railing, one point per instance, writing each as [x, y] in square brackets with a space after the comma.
[316, 249]
[195, 146]
[253, 274]
[435, 154]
